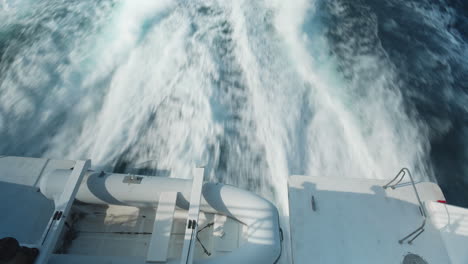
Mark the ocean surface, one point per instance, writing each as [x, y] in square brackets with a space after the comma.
[254, 90]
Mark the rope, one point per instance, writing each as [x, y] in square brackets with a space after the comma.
[199, 241]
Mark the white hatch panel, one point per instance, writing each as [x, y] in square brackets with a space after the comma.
[158, 248]
[344, 220]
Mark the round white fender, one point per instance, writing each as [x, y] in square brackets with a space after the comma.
[263, 243]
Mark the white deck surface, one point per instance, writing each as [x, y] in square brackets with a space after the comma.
[125, 231]
[357, 221]
[158, 249]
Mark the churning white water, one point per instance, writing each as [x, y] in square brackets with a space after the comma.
[249, 88]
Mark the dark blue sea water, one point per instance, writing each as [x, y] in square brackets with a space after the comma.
[426, 44]
[258, 90]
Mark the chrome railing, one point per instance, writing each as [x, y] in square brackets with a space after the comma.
[392, 184]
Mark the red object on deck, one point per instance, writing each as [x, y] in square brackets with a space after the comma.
[441, 201]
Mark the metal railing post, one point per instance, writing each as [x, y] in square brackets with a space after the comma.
[392, 184]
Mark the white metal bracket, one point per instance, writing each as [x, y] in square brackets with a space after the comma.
[62, 208]
[192, 220]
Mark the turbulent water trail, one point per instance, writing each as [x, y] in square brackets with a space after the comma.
[250, 88]
[255, 90]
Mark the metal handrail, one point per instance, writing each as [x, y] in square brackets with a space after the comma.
[392, 184]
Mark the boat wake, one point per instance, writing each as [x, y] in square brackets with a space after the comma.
[254, 90]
